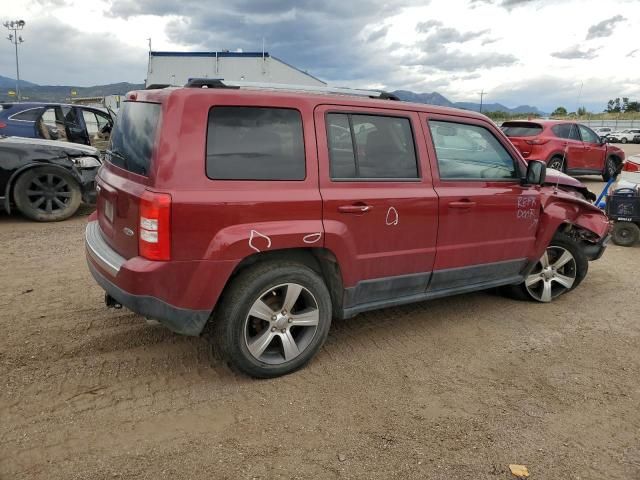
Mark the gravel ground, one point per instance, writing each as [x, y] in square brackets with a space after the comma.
[450, 389]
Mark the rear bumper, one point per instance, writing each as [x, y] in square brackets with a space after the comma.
[180, 320]
[595, 251]
[149, 288]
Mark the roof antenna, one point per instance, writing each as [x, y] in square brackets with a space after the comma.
[566, 147]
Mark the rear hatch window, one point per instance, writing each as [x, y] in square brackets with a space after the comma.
[133, 137]
[521, 129]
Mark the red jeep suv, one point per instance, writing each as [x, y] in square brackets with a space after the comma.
[270, 210]
[565, 146]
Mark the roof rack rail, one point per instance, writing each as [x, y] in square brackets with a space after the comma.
[220, 83]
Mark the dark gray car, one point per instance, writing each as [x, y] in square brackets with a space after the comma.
[46, 180]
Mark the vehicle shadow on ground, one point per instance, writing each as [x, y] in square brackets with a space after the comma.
[15, 217]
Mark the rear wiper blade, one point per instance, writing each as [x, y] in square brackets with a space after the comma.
[118, 155]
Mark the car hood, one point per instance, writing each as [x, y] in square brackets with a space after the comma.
[555, 177]
[71, 149]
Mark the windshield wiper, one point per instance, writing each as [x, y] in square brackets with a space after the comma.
[113, 153]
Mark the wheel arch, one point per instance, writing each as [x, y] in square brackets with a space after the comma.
[321, 260]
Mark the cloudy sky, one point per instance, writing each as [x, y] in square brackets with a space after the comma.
[536, 52]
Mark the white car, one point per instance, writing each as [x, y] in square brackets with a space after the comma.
[603, 131]
[623, 136]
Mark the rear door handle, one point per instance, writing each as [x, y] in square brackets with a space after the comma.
[356, 208]
[463, 204]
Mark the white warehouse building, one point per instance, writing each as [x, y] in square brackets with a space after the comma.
[176, 68]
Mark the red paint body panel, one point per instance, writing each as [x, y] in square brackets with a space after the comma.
[410, 227]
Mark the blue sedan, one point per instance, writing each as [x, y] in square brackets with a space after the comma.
[57, 121]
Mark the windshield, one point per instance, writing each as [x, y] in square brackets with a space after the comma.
[133, 136]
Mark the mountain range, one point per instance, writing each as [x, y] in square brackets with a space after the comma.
[437, 99]
[60, 93]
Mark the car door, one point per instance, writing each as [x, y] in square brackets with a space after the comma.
[97, 127]
[594, 149]
[379, 206]
[571, 145]
[487, 219]
[76, 130]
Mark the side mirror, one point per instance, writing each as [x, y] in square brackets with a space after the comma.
[603, 140]
[536, 173]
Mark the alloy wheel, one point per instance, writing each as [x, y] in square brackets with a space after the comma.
[556, 164]
[281, 323]
[554, 274]
[49, 193]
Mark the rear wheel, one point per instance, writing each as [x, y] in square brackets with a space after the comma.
[623, 140]
[557, 163]
[47, 194]
[273, 319]
[625, 234]
[610, 168]
[561, 268]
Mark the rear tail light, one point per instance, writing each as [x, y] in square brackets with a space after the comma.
[2, 124]
[630, 166]
[155, 226]
[537, 141]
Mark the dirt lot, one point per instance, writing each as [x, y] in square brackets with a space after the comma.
[449, 389]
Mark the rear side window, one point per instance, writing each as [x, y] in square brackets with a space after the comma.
[521, 129]
[255, 143]
[133, 136]
[470, 152]
[566, 130]
[30, 115]
[371, 147]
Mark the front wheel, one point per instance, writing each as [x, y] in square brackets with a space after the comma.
[273, 319]
[623, 140]
[47, 194]
[610, 168]
[561, 268]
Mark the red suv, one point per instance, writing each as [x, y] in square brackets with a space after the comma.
[565, 146]
[269, 212]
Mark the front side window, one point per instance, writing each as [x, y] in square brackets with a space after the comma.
[566, 130]
[470, 152]
[370, 147]
[255, 143]
[588, 135]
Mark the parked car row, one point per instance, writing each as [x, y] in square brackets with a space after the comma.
[630, 135]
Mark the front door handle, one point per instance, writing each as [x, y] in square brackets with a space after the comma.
[357, 208]
[463, 204]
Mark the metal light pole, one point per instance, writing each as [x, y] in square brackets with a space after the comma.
[15, 26]
[481, 98]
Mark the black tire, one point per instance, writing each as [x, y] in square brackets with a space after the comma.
[625, 234]
[232, 320]
[580, 269]
[47, 194]
[610, 167]
[557, 163]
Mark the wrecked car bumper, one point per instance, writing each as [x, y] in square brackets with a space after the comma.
[87, 178]
[595, 251]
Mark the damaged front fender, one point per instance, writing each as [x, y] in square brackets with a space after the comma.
[577, 218]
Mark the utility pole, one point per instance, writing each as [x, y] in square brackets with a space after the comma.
[15, 26]
[481, 97]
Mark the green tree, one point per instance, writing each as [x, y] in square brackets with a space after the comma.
[632, 107]
[582, 111]
[559, 112]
